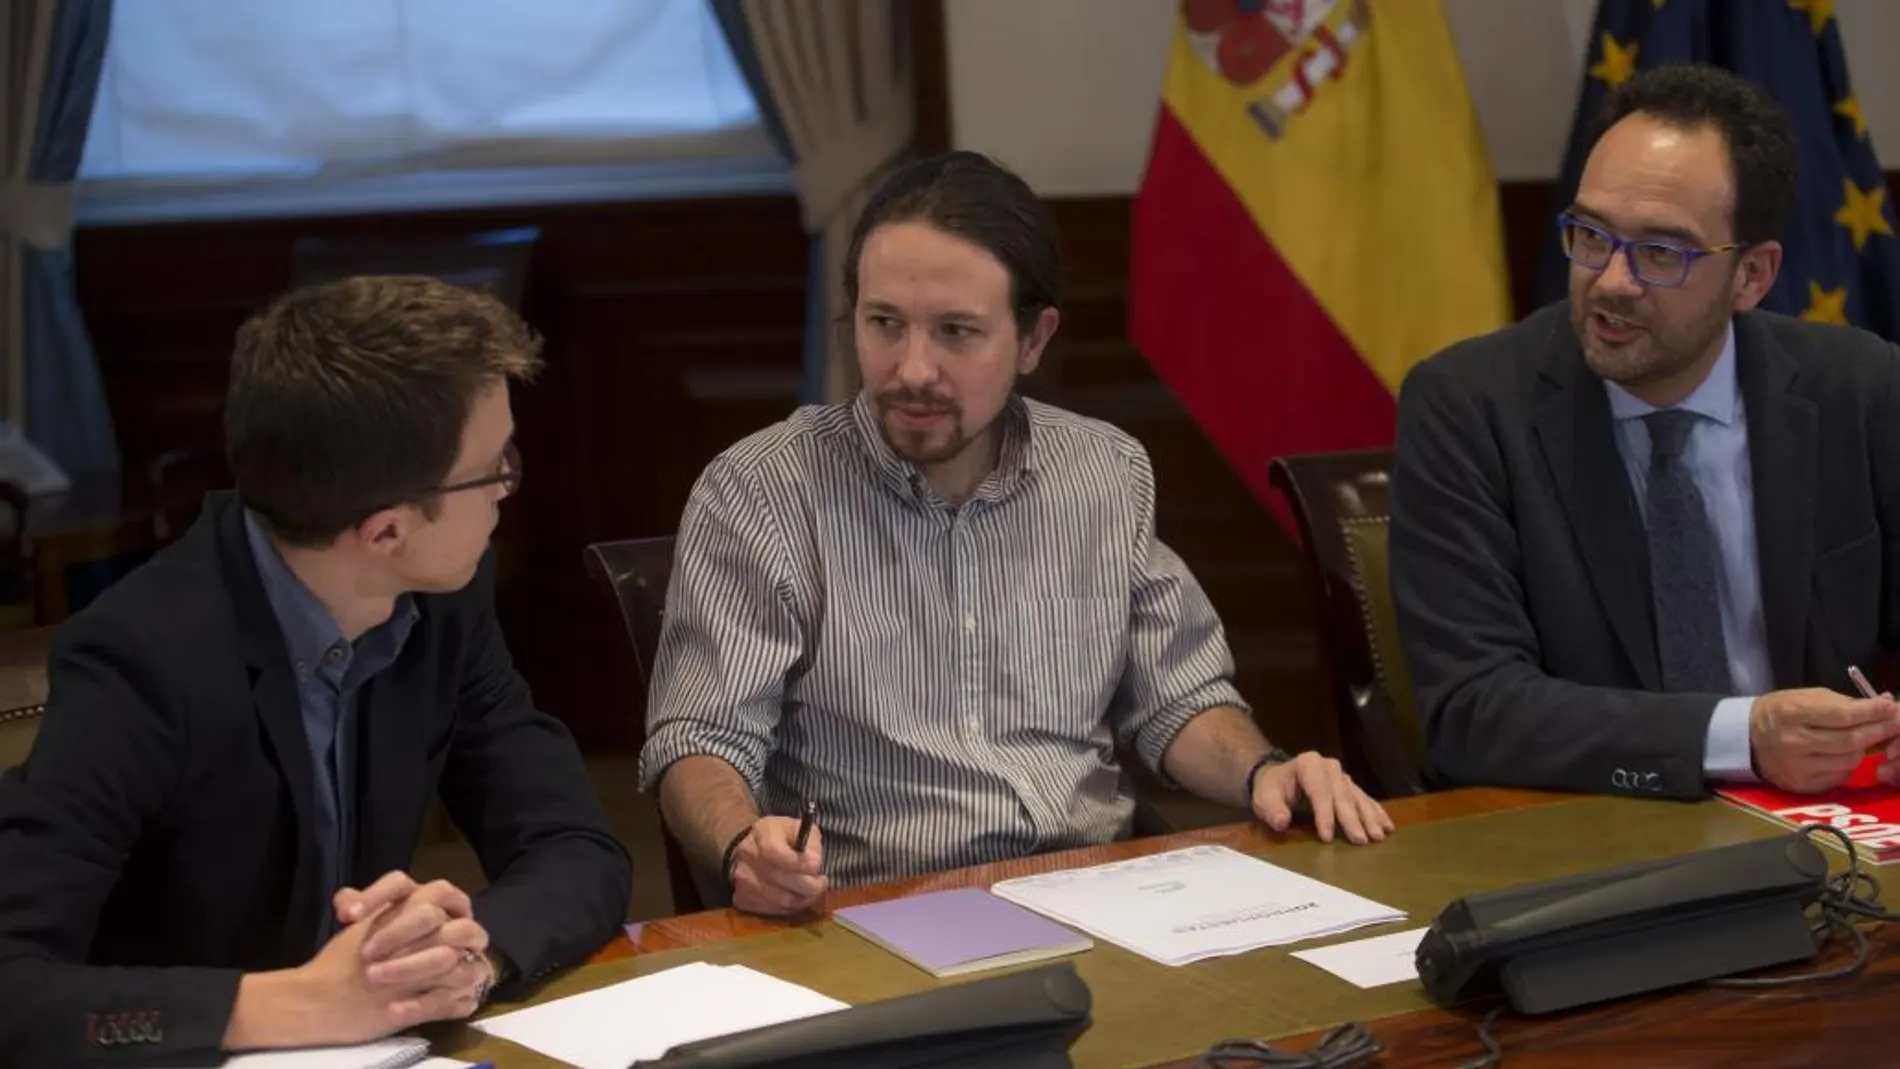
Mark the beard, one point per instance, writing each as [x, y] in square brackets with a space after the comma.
[942, 437]
[1654, 351]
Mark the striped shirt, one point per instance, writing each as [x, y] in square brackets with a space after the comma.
[950, 684]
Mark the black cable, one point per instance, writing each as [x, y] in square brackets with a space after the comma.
[1852, 894]
[1343, 1047]
[1494, 1051]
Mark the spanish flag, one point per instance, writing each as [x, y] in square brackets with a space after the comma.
[1318, 214]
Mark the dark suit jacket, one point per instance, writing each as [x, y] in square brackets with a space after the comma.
[158, 843]
[1520, 568]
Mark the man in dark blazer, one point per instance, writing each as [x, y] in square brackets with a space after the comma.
[1639, 538]
[205, 849]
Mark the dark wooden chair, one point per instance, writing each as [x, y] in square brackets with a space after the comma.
[1343, 503]
[634, 572]
[23, 656]
[19, 584]
[177, 481]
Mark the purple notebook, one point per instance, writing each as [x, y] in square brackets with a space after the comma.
[946, 933]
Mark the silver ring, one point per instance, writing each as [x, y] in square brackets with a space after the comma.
[470, 957]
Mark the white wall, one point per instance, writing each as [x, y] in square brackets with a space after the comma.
[1066, 91]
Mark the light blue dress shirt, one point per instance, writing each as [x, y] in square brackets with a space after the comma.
[331, 671]
[1717, 458]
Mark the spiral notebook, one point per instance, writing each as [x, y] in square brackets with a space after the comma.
[396, 1052]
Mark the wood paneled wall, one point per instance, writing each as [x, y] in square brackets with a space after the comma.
[673, 329]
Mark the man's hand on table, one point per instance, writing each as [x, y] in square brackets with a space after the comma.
[1336, 801]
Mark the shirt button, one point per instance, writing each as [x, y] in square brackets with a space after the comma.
[969, 624]
[335, 652]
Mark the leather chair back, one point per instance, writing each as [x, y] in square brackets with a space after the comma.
[634, 572]
[1343, 503]
[22, 691]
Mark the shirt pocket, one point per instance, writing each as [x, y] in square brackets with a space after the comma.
[1066, 654]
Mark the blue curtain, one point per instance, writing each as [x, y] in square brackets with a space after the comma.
[66, 413]
[745, 53]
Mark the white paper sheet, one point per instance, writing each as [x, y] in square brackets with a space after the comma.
[1374, 962]
[611, 1027]
[1201, 902]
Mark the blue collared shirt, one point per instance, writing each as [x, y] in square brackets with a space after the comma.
[330, 671]
[1716, 455]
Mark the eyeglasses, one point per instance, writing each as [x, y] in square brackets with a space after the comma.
[1659, 263]
[508, 478]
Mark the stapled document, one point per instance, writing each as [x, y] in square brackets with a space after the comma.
[1200, 902]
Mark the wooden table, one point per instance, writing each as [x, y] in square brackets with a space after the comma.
[1836, 1023]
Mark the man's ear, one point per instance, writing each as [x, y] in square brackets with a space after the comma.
[1046, 323]
[383, 532]
[1755, 276]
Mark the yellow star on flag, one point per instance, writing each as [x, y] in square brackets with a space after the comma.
[1819, 12]
[1861, 213]
[1826, 306]
[1849, 107]
[1617, 63]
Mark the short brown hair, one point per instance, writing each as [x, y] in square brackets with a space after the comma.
[351, 396]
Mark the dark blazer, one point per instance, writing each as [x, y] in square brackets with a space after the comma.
[158, 843]
[1520, 568]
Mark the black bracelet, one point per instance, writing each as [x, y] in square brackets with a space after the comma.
[725, 862]
[1274, 756]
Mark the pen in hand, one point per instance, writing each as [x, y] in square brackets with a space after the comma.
[804, 826]
[1860, 682]
[1866, 690]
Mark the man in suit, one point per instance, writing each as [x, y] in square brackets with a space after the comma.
[1639, 538]
[205, 849]
[938, 608]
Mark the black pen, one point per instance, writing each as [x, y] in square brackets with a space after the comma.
[804, 825]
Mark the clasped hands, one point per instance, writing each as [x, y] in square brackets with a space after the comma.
[405, 954]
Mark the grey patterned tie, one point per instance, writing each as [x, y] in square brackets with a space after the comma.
[1682, 561]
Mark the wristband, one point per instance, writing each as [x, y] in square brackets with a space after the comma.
[1274, 756]
[725, 862]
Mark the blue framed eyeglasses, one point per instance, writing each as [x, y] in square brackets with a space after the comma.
[1658, 263]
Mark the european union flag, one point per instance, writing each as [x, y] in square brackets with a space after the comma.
[1842, 258]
